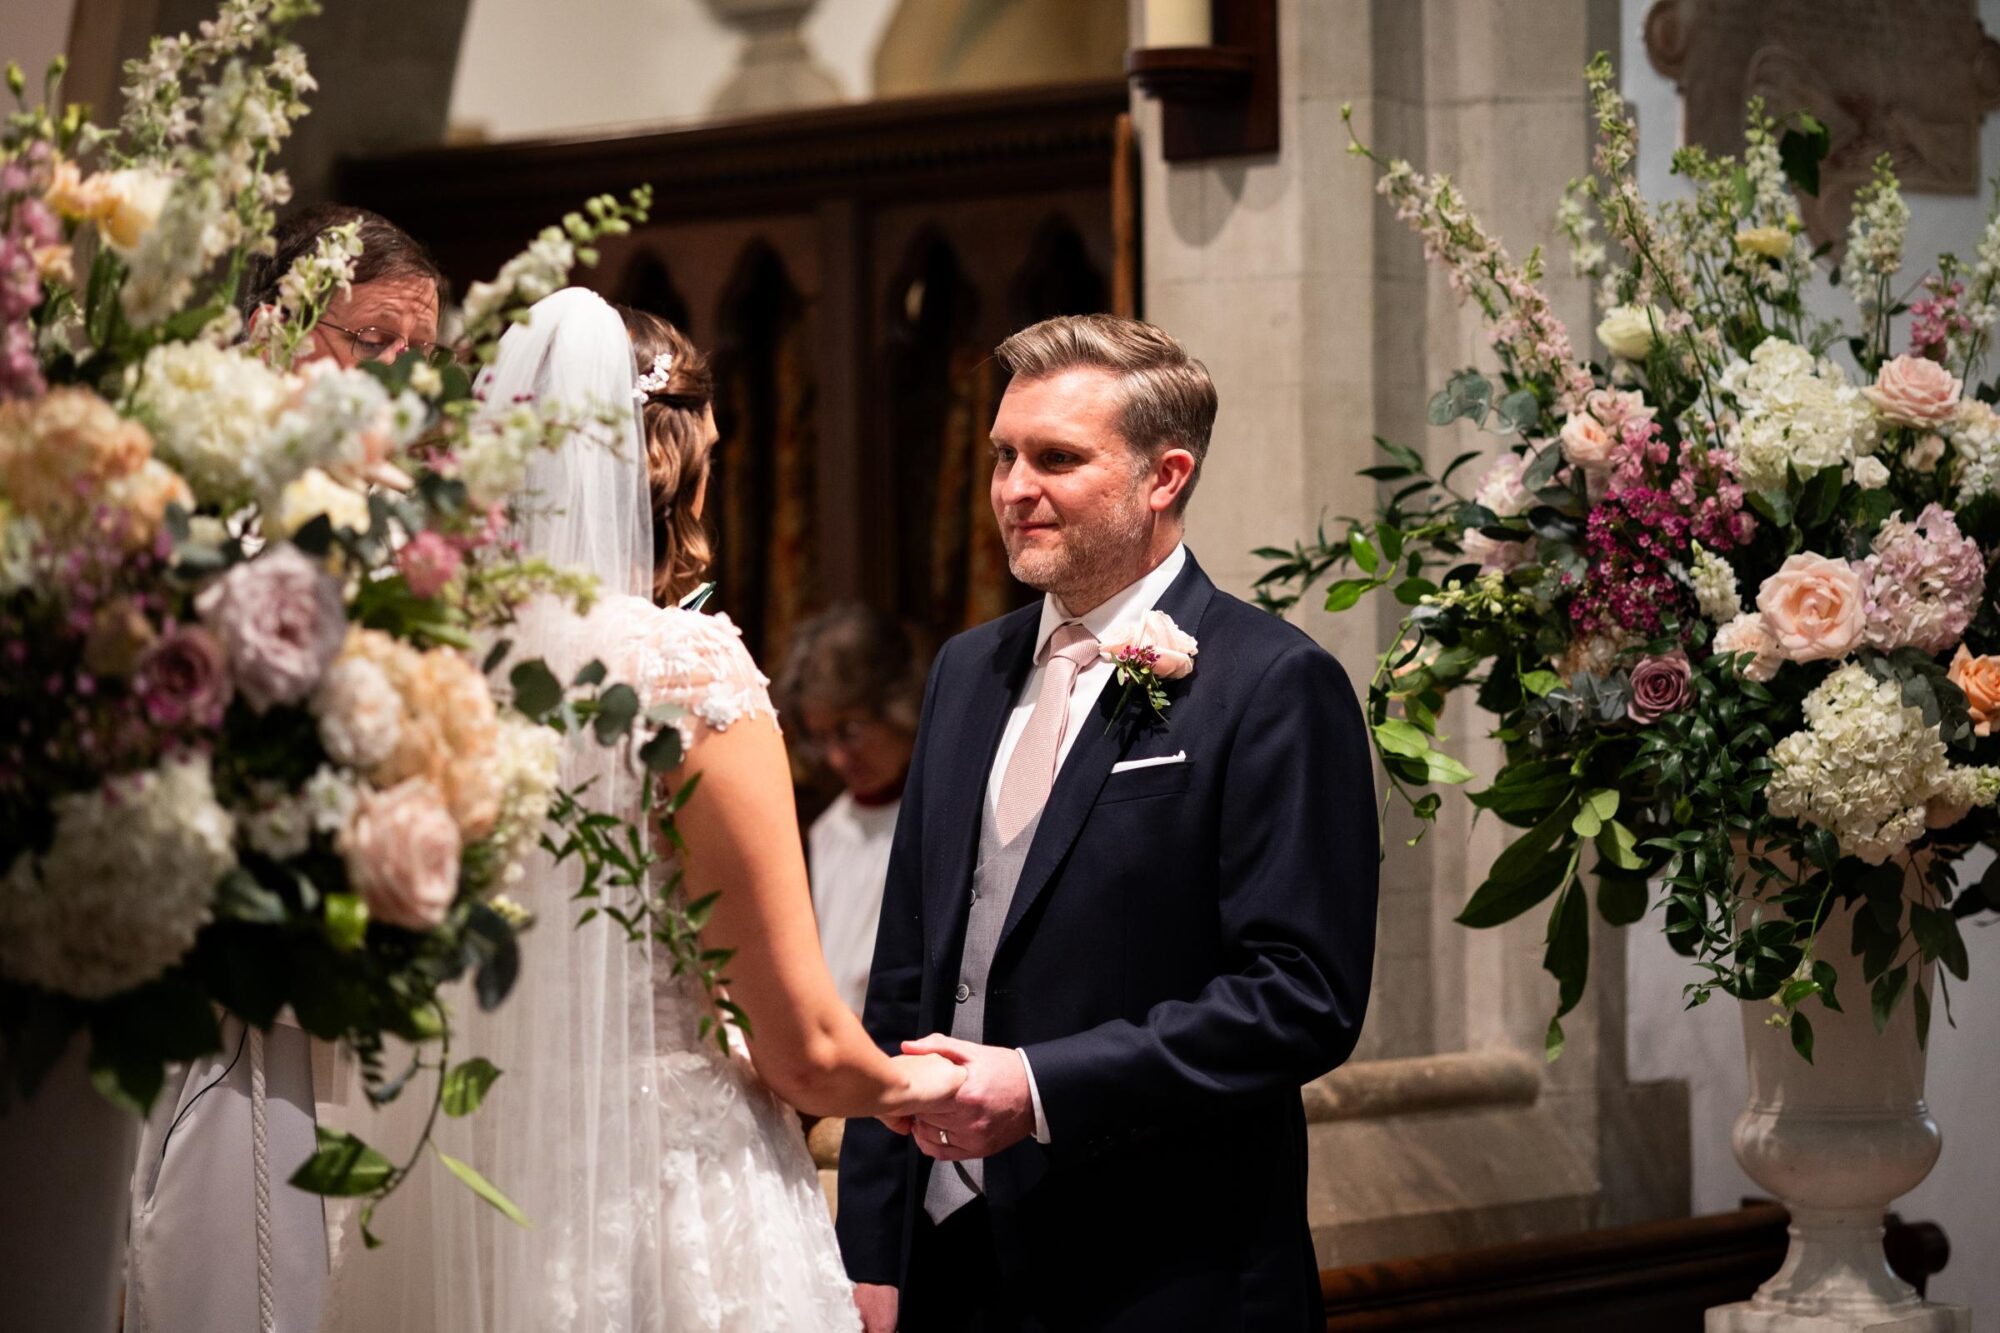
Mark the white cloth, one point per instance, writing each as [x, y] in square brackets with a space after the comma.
[849, 846]
[1121, 608]
[192, 1261]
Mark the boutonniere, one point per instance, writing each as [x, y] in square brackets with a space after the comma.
[1146, 654]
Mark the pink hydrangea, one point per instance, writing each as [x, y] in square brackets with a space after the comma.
[1922, 582]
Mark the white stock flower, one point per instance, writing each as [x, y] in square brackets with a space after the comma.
[1794, 411]
[1974, 435]
[493, 460]
[1714, 584]
[279, 825]
[530, 764]
[127, 883]
[328, 798]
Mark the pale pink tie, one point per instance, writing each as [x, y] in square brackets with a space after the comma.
[1031, 770]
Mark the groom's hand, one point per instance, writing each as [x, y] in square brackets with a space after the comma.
[993, 1110]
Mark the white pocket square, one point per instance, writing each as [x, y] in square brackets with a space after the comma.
[1130, 764]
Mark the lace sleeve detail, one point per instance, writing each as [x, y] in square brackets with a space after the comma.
[700, 663]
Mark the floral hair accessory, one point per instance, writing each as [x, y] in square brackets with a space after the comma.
[655, 379]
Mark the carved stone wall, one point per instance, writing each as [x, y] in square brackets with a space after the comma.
[1913, 79]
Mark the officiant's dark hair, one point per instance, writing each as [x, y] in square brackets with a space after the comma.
[677, 450]
[387, 251]
[1169, 398]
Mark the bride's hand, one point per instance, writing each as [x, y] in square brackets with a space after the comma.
[929, 1083]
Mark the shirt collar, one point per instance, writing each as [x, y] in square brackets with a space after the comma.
[1127, 604]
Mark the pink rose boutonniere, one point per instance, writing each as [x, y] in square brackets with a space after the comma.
[1147, 653]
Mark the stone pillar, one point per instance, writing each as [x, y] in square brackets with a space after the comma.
[1313, 308]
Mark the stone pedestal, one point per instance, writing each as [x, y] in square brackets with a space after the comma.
[776, 71]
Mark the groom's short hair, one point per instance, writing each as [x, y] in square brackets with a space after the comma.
[1169, 399]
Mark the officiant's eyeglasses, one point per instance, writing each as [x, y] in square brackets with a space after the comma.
[371, 343]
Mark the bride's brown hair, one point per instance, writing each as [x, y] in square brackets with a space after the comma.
[677, 450]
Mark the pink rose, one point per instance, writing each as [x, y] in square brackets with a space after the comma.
[1587, 444]
[401, 849]
[428, 562]
[280, 621]
[1813, 608]
[1156, 640]
[1747, 634]
[1614, 407]
[1659, 687]
[183, 680]
[1915, 391]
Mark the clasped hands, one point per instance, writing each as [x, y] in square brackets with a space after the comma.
[985, 1109]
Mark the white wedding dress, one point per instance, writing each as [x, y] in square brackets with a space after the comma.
[667, 1189]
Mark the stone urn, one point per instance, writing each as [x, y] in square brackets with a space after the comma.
[776, 71]
[1836, 1141]
[66, 1157]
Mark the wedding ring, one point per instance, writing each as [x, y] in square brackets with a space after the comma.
[944, 1139]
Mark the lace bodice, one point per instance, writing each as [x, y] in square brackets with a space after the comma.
[696, 661]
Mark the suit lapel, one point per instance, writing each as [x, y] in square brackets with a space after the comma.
[987, 691]
[1106, 737]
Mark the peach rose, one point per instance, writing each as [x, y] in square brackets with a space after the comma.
[1173, 651]
[1747, 634]
[1813, 608]
[1915, 391]
[401, 848]
[1979, 678]
[1586, 443]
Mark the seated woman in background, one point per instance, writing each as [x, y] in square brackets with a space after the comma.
[851, 689]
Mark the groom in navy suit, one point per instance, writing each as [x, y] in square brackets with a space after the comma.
[1136, 902]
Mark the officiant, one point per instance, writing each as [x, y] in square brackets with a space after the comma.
[228, 1130]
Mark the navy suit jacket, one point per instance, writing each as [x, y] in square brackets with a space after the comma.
[1188, 944]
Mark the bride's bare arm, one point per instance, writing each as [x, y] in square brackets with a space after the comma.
[742, 835]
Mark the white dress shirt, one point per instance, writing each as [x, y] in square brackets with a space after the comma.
[849, 847]
[1121, 608]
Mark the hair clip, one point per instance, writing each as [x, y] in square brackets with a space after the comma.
[654, 380]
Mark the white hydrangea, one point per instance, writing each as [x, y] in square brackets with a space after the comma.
[342, 421]
[530, 765]
[1714, 584]
[1974, 435]
[1866, 767]
[128, 881]
[211, 412]
[1794, 411]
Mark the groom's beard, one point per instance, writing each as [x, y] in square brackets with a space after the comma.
[1086, 556]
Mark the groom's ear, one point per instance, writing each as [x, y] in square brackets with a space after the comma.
[1172, 471]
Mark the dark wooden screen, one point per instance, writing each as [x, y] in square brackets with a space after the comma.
[850, 270]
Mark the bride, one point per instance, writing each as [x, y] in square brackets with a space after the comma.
[666, 1182]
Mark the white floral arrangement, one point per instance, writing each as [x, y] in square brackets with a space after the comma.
[248, 759]
[1726, 590]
